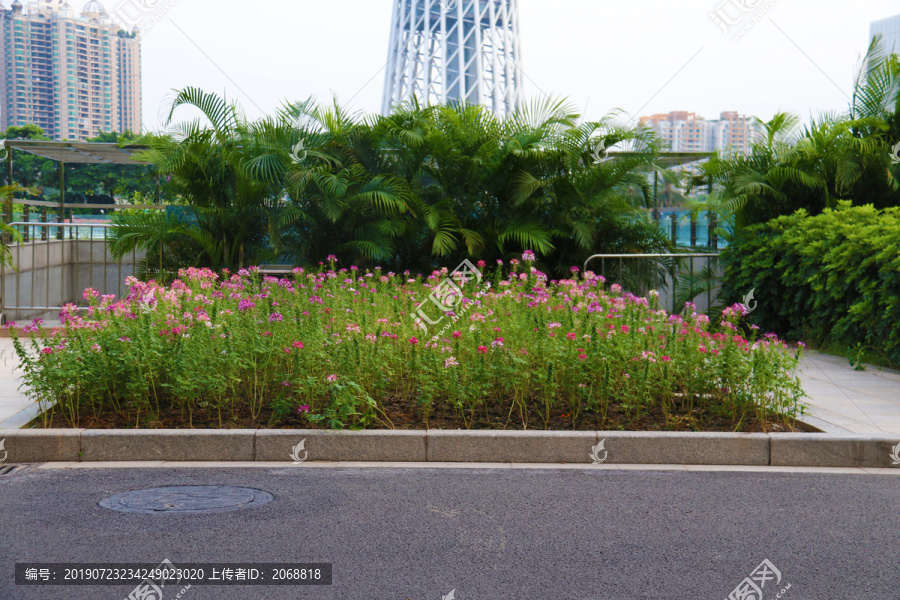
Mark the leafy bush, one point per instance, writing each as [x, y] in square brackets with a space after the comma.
[338, 346]
[832, 279]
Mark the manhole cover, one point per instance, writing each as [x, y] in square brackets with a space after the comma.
[187, 499]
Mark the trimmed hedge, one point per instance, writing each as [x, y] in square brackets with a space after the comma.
[829, 279]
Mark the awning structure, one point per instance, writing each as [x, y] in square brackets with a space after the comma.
[72, 153]
[85, 153]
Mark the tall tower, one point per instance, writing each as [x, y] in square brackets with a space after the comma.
[443, 50]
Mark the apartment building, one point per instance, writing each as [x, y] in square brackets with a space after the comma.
[72, 75]
[688, 132]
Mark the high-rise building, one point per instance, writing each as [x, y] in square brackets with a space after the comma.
[889, 30]
[73, 76]
[687, 132]
[442, 50]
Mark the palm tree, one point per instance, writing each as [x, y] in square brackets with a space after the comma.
[421, 187]
[211, 170]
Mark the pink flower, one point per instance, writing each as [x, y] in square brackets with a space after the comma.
[450, 362]
[275, 317]
[287, 350]
[47, 350]
[303, 409]
[95, 348]
[413, 340]
[332, 378]
[571, 335]
[528, 256]
[625, 329]
[482, 349]
[457, 334]
[666, 359]
[481, 264]
[298, 344]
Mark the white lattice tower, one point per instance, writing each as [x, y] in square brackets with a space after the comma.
[443, 50]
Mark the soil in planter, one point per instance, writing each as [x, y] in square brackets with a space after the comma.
[403, 417]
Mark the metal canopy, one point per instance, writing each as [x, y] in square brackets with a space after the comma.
[86, 153]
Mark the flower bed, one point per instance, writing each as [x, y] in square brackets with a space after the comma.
[346, 348]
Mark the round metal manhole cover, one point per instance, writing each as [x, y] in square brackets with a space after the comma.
[187, 499]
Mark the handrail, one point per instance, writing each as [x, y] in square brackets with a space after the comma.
[52, 204]
[686, 255]
[42, 224]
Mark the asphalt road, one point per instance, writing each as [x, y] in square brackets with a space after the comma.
[394, 534]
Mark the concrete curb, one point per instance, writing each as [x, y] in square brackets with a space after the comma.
[575, 447]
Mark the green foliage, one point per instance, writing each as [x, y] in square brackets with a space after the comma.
[85, 183]
[6, 197]
[832, 279]
[836, 156]
[420, 187]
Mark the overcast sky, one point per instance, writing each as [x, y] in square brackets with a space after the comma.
[641, 56]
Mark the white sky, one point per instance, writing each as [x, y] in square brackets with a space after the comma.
[601, 54]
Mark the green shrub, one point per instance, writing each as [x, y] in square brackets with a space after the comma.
[832, 279]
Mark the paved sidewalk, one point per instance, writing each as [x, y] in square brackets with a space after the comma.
[841, 401]
[15, 409]
[844, 401]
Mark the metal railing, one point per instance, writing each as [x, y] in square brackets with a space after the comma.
[675, 276]
[58, 249]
